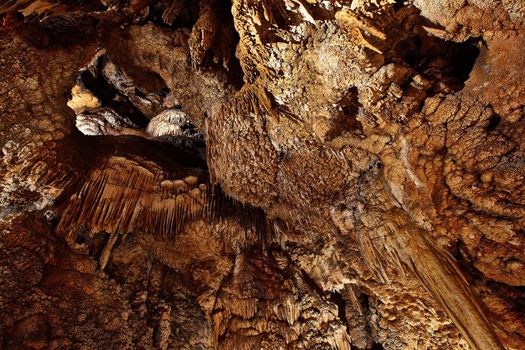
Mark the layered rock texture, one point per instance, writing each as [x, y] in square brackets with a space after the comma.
[262, 174]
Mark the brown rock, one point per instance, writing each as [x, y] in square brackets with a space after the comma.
[361, 185]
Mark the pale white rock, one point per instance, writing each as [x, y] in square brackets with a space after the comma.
[171, 122]
[102, 121]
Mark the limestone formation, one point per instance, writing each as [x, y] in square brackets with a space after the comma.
[262, 174]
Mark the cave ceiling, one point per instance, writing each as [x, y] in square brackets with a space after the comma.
[262, 174]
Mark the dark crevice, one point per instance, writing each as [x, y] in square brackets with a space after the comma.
[463, 58]
[494, 121]
[319, 13]
[338, 300]
[311, 283]
[96, 244]
[365, 301]
[443, 61]
[376, 346]
[116, 245]
[398, 4]
[280, 16]
[346, 120]
[111, 98]
[81, 236]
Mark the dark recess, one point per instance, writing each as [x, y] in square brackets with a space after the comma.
[312, 283]
[445, 61]
[107, 95]
[346, 120]
[494, 121]
[180, 14]
[338, 300]
[398, 4]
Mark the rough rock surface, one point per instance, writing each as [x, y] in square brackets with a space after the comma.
[275, 174]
